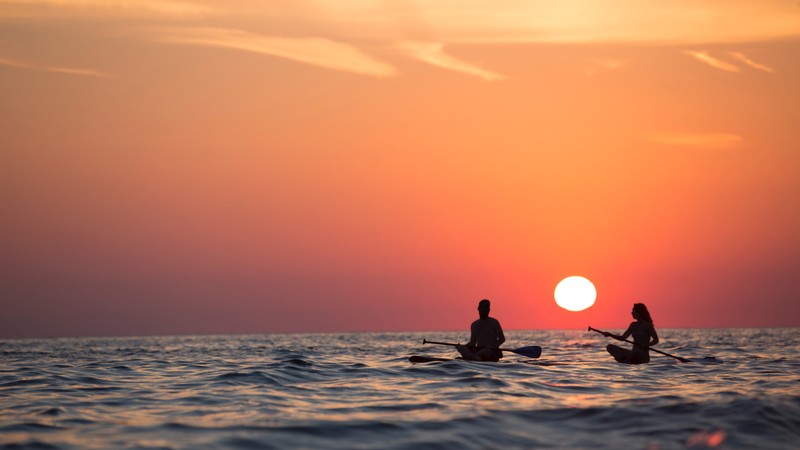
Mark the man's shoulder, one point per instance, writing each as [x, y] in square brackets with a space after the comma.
[492, 321]
[488, 320]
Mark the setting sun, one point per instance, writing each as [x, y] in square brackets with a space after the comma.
[575, 293]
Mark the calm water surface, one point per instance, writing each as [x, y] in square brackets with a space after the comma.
[356, 391]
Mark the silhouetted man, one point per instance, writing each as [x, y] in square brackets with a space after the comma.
[486, 337]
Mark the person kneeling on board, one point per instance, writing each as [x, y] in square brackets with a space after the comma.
[644, 336]
[486, 337]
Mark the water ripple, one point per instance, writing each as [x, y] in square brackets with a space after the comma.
[359, 391]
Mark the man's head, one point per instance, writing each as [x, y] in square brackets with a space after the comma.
[483, 308]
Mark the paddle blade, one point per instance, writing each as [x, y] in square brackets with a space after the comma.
[533, 351]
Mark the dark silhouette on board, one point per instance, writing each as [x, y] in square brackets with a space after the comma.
[644, 336]
[486, 337]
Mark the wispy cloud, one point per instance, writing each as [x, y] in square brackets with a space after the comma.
[55, 69]
[45, 8]
[679, 22]
[15, 63]
[315, 51]
[77, 71]
[704, 57]
[698, 140]
[597, 66]
[743, 58]
[433, 53]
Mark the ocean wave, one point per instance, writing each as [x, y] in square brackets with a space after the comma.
[257, 377]
[360, 391]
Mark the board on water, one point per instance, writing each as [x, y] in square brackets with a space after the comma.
[621, 355]
[534, 351]
[425, 359]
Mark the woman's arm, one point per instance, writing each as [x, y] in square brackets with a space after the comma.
[654, 335]
[618, 337]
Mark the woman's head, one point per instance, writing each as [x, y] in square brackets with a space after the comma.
[641, 311]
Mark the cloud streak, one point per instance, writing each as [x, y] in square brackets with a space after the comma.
[78, 71]
[598, 66]
[95, 8]
[314, 51]
[680, 22]
[10, 62]
[15, 63]
[697, 140]
[433, 53]
[423, 29]
[743, 58]
[705, 58]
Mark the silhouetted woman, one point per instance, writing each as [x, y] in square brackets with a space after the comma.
[644, 336]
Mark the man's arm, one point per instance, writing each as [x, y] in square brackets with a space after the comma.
[500, 336]
[473, 338]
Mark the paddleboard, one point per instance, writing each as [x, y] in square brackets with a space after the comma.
[425, 359]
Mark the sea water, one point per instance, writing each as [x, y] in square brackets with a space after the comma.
[358, 391]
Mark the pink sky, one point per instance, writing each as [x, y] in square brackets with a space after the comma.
[252, 167]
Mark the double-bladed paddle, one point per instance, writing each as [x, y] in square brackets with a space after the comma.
[651, 348]
[534, 351]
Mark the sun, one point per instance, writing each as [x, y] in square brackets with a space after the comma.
[575, 293]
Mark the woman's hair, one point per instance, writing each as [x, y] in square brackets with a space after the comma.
[642, 311]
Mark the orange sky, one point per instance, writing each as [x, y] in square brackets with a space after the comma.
[261, 166]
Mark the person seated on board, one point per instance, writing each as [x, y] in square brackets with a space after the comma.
[644, 336]
[486, 337]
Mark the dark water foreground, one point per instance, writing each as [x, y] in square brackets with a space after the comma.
[357, 391]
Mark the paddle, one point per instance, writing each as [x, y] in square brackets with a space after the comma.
[651, 348]
[533, 351]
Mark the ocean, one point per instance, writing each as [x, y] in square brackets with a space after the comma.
[358, 391]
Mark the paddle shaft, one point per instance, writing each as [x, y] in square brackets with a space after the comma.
[641, 346]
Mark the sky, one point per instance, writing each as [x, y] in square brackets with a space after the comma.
[259, 166]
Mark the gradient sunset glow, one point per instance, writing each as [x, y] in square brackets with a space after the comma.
[175, 167]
